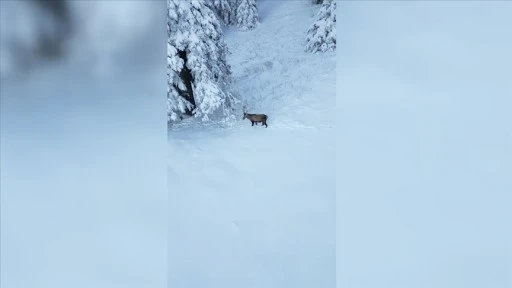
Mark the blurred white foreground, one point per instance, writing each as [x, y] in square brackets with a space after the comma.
[82, 158]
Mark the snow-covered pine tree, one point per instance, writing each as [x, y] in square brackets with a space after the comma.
[222, 8]
[317, 1]
[321, 36]
[246, 15]
[198, 73]
[233, 4]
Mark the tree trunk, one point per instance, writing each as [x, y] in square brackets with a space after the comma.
[187, 78]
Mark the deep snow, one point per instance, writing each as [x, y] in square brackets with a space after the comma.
[425, 144]
[83, 198]
[254, 206]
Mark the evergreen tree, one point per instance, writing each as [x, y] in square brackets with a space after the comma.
[222, 8]
[246, 15]
[321, 36]
[198, 73]
[317, 1]
[233, 4]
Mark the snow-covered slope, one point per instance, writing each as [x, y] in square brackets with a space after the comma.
[254, 206]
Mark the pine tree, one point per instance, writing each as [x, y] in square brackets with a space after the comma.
[222, 8]
[198, 73]
[321, 36]
[233, 4]
[246, 15]
[317, 1]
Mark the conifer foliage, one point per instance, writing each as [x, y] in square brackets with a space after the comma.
[223, 9]
[321, 36]
[198, 73]
[246, 15]
[242, 14]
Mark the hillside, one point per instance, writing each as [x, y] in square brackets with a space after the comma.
[254, 206]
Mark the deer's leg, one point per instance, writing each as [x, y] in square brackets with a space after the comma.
[252, 123]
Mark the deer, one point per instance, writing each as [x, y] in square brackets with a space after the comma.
[256, 118]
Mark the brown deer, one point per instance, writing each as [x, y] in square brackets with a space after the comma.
[256, 118]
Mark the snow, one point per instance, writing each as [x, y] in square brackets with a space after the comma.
[246, 15]
[425, 144]
[255, 206]
[222, 8]
[322, 34]
[424, 158]
[82, 183]
[197, 32]
[82, 179]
